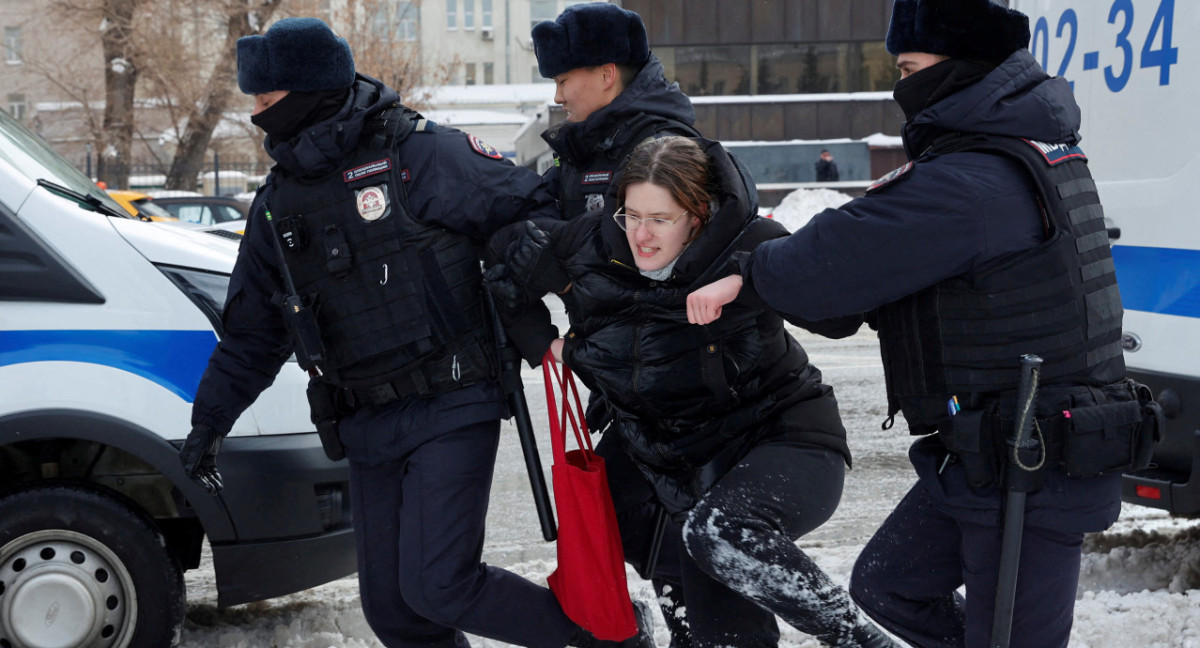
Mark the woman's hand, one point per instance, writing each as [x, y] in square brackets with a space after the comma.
[704, 305]
[556, 348]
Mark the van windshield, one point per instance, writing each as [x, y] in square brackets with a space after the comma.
[28, 154]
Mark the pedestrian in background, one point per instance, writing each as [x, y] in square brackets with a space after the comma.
[827, 170]
[371, 220]
[988, 245]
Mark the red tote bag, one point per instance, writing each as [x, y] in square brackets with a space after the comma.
[590, 579]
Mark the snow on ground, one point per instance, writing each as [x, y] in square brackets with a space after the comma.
[802, 204]
[1139, 584]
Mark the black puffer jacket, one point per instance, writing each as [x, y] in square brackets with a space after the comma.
[690, 401]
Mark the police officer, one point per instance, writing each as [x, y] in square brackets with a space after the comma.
[988, 245]
[370, 221]
[615, 95]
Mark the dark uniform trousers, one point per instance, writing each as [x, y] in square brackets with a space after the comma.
[419, 524]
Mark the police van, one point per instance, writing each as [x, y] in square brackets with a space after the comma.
[106, 326]
[1135, 70]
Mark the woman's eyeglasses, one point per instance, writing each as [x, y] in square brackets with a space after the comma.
[655, 226]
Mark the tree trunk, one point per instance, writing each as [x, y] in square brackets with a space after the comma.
[203, 119]
[120, 83]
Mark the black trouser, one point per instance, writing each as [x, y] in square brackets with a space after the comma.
[907, 578]
[419, 526]
[743, 533]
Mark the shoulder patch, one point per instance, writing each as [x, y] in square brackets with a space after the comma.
[482, 148]
[892, 176]
[1055, 154]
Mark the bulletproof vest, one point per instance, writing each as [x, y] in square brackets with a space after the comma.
[398, 302]
[964, 336]
[584, 188]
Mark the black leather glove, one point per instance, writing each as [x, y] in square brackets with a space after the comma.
[199, 457]
[531, 261]
[507, 293]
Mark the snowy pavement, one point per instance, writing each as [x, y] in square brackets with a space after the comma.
[1140, 583]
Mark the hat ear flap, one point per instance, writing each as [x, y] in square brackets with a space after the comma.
[900, 37]
[551, 48]
[253, 74]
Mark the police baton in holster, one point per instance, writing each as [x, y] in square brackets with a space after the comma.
[514, 390]
[1024, 458]
[302, 327]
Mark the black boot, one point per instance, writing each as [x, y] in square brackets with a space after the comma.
[868, 635]
[643, 639]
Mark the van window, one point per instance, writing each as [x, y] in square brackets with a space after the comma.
[30, 155]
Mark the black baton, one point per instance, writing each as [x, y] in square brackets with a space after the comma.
[1018, 475]
[514, 390]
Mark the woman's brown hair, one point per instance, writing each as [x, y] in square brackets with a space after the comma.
[676, 164]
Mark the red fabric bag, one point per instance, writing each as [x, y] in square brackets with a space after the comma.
[590, 579]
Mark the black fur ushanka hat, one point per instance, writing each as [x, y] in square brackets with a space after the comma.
[586, 35]
[296, 54]
[970, 29]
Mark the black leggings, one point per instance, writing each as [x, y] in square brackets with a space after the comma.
[742, 535]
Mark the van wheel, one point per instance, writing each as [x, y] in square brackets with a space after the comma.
[81, 568]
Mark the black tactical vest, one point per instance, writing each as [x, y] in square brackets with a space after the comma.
[964, 336]
[585, 187]
[398, 302]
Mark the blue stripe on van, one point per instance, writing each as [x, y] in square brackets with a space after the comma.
[173, 359]
[1159, 280]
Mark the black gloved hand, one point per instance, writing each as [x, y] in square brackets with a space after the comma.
[199, 457]
[532, 262]
[507, 293]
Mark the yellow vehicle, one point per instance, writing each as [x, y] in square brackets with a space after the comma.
[140, 205]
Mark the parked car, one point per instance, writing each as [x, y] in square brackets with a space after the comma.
[222, 212]
[140, 204]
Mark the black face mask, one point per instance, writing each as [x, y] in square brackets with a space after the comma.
[920, 90]
[289, 116]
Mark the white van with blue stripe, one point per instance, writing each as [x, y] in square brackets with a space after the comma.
[1135, 68]
[106, 326]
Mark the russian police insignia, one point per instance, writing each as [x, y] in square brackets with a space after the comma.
[892, 176]
[372, 203]
[482, 148]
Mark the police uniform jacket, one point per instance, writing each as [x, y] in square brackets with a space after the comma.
[451, 180]
[943, 220]
[689, 400]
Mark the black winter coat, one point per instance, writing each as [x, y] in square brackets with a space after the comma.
[689, 401]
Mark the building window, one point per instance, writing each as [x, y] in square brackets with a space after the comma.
[489, 73]
[783, 68]
[452, 14]
[540, 10]
[469, 14]
[485, 14]
[16, 106]
[470, 67]
[406, 21]
[12, 45]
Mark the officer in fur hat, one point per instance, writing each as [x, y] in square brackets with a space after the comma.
[615, 95]
[370, 222]
[988, 245]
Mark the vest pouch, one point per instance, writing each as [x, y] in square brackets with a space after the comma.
[1102, 438]
[971, 435]
[337, 252]
[1153, 425]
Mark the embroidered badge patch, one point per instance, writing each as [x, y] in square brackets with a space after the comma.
[594, 201]
[891, 177]
[372, 203]
[597, 177]
[482, 148]
[1057, 153]
[368, 169]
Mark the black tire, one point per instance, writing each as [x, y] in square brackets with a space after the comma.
[80, 567]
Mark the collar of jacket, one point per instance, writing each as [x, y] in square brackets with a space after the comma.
[321, 148]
